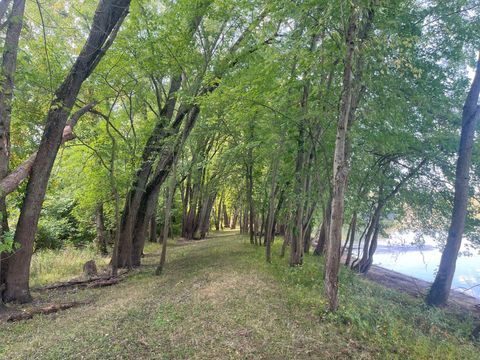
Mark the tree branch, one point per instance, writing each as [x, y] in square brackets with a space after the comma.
[13, 180]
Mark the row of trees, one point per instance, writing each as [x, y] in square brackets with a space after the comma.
[291, 118]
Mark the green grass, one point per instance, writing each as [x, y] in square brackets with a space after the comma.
[50, 266]
[218, 299]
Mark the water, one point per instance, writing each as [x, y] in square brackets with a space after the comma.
[423, 263]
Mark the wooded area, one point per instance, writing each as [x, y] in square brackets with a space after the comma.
[319, 125]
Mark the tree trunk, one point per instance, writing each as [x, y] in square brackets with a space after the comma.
[226, 218]
[234, 219]
[269, 229]
[297, 236]
[146, 209]
[286, 242]
[106, 22]
[101, 233]
[352, 239]
[340, 171]
[204, 223]
[138, 188]
[323, 234]
[363, 265]
[251, 225]
[218, 217]
[153, 227]
[3, 8]
[166, 225]
[440, 289]
[9, 64]
[307, 241]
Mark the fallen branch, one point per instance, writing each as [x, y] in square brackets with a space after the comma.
[103, 283]
[89, 283]
[50, 309]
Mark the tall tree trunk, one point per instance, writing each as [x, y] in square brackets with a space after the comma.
[9, 64]
[363, 265]
[271, 212]
[137, 191]
[204, 219]
[323, 234]
[153, 227]
[107, 20]
[3, 8]
[184, 194]
[101, 233]
[251, 208]
[286, 242]
[226, 218]
[150, 197]
[166, 225]
[440, 290]
[340, 171]
[234, 218]
[351, 93]
[297, 236]
[218, 216]
[281, 200]
[145, 212]
[307, 241]
[352, 239]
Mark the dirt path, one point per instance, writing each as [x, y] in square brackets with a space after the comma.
[215, 300]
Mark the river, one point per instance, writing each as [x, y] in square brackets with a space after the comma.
[400, 256]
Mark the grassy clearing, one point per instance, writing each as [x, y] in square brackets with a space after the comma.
[61, 265]
[218, 300]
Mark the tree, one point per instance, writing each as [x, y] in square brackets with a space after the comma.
[440, 290]
[107, 20]
[8, 67]
[354, 36]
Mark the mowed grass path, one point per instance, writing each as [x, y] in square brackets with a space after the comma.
[217, 299]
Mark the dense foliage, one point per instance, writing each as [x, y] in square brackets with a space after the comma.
[281, 118]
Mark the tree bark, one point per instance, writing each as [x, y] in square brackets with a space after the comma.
[340, 171]
[352, 90]
[352, 239]
[3, 8]
[226, 218]
[218, 216]
[440, 290]
[271, 212]
[137, 191]
[323, 234]
[166, 225]
[9, 64]
[101, 233]
[153, 227]
[107, 20]
[297, 236]
[234, 218]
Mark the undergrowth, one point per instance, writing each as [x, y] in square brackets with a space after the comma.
[397, 324]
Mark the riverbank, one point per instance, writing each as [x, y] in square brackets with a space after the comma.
[419, 288]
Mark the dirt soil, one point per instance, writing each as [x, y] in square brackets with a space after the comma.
[419, 288]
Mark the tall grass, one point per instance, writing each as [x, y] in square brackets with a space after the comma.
[50, 266]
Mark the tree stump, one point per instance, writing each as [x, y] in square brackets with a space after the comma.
[90, 269]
